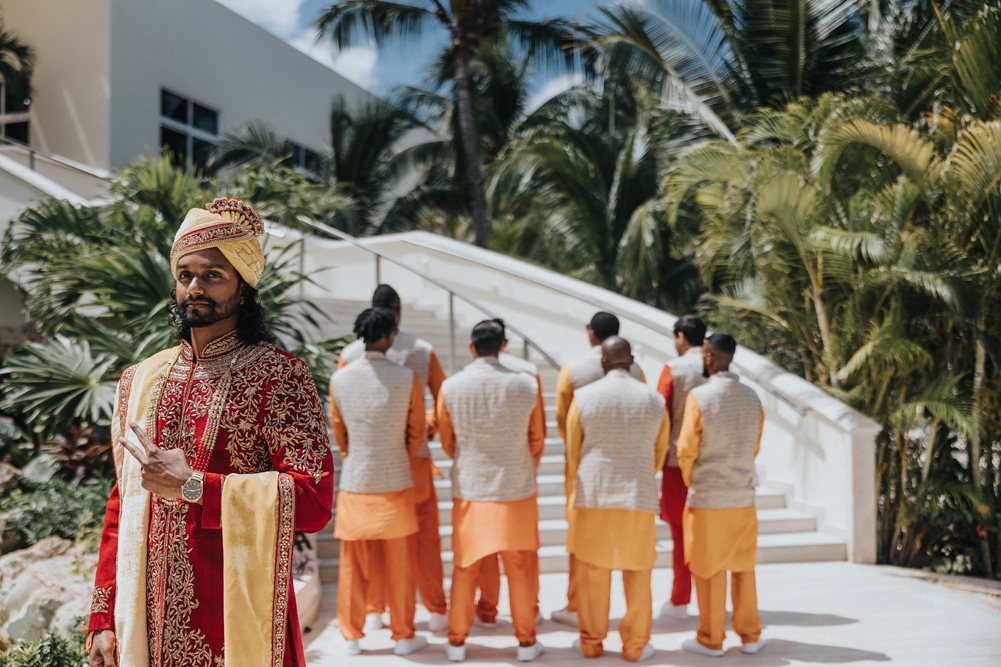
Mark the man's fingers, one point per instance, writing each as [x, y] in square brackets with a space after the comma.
[143, 438]
[135, 451]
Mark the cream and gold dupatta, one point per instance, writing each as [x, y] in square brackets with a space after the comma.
[258, 520]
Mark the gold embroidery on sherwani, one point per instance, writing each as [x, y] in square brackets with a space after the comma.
[100, 602]
[283, 566]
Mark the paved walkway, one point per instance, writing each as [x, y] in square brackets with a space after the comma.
[812, 614]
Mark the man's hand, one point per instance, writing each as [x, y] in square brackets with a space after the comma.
[102, 649]
[164, 470]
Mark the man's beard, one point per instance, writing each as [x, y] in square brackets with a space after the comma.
[705, 371]
[214, 313]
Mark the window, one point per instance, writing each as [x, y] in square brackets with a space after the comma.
[13, 115]
[189, 130]
[303, 158]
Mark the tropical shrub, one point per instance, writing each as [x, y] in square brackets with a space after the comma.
[49, 651]
[56, 508]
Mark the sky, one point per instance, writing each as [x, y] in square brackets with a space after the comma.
[381, 70]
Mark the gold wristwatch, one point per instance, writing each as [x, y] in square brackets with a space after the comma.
[194, 488]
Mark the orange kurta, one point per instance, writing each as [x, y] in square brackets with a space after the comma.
[615, 539]
[483, 528]
[715, 539]
[378, 516]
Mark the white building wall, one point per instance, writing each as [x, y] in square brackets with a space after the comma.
[72, 87]
[204, 51]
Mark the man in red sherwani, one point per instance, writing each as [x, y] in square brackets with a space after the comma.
[221, 454]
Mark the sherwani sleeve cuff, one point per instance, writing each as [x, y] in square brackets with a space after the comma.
[212, 501]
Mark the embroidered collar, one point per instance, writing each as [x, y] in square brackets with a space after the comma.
[493, 361]
[620, 373]
[374, 355]
[693, 351]
[725, 375]
[218, 347]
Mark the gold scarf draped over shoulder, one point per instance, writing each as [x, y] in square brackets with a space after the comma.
[258, 521]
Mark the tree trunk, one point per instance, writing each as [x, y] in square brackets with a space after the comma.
[825, 337]
[474, 178]
[978, 387]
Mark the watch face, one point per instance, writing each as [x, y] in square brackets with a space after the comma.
[191, 490]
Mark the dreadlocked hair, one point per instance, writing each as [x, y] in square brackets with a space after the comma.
[374, 324]
[251, 323]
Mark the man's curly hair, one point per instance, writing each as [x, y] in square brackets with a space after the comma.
[252, 320]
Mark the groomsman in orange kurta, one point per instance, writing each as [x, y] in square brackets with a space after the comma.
[417, 355]
[679, 376]
[377, 416]
[617, 438]
[720, 437]
[490, 421]
[575, 374]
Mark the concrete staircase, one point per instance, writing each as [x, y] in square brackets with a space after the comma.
[785, 534]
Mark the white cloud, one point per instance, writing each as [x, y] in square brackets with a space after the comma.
[356, 64]
[551, 89]
[280, 17]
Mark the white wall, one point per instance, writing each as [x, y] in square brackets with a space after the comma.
[203, 51]
[72, 89]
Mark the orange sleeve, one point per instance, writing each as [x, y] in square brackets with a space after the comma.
[340, 360]
[761, 428]
[537, 429]
[337, 425]
[435, 375]
[663, 440]
[564, 396]
[665, 386]
[574, 440]
[642, 376]
[415, 418]
[445, 430]
[689, 439]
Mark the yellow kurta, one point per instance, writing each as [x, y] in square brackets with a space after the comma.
[614, 539]
[483, 528]
[715, 539]
[379, 516]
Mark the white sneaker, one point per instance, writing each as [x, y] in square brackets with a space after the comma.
[647, 653]
[576, 647]
[438, 622]
[565, 617]
[373, 622]
[483, 624]
[530, 653]
[455, 653]
[695, 647]
[673, 612]
[408, 646]
[753, 647]
[351, 647]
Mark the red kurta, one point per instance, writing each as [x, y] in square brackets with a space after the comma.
[273, 421]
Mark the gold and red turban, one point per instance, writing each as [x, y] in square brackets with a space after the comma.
[232, 226]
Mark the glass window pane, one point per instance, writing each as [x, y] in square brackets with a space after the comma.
[206, 119]
[173, 106]
[17, 131]
[201, 151]
[311, 160]
[296, 151]
[15, 103]
[175, 142]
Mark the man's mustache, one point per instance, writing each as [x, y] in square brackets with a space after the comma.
[187, 301]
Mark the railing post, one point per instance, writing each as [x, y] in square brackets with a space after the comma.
[31, 159]
[451, 333]
[524, 348]
[378, 270]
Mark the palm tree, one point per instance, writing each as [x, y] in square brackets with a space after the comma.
[17, 60]
[468, 25]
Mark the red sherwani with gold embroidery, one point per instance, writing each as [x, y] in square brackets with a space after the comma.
[273, 420]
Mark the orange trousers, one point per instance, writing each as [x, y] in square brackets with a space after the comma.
[428, 571]
[522, 570]
[711, 594]
[489, 585]
[594, 590]
[354, 581]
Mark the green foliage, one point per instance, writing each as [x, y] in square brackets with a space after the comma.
[57, 508]
[49, 651]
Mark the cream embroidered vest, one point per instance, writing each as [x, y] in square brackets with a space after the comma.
[724, 476]
[586, 369]
[518, 364]
[408, 351]
[620, 419]
[686, 372]
[373, 397]
[490, 407]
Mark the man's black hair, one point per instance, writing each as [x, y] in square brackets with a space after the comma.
[488, 337]
[251, 323]
[385, 297]
[604, 325]
[374, 324]
[723, 342]
[692, 327]
[502, 326]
